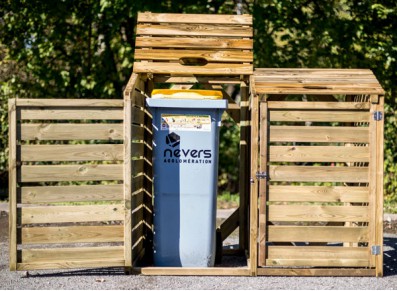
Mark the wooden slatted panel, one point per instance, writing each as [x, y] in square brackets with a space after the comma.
[325, 256]
[72, 234]
[287, 193]
[332, 234]
[279, 133]
[318, 213]
[319, 116]
[74, 193]
[51, 226]
[316, 81]
[222, 46]
[318, 105]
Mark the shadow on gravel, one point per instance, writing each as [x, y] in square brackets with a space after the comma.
[85, 272]
[390, 256]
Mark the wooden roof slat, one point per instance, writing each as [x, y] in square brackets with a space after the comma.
[195, 18]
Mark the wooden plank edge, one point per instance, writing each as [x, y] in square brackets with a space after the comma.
[71, 265]
[189, 271]
[337, 272]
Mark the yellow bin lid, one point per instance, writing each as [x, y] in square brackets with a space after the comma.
[186, 94]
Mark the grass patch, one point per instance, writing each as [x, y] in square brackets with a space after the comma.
[226, 200]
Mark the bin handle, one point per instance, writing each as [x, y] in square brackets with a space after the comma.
[193, 61]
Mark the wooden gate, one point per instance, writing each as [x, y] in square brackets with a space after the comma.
[70, 183]
[319, 177]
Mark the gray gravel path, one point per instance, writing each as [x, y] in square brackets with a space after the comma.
[114, 278]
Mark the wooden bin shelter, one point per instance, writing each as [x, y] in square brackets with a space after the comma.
[183, 51]
[317, 168]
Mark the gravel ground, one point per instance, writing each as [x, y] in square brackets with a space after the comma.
[114, 278]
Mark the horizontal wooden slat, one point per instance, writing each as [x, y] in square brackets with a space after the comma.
[208, 69]
[318, 154]
[318, 213]
[72, 234]
[317, 252]
[195, 271]
[138, 99]
[57, 194]
[61, 214]
[317, 90]
[71, 114]
[319, 174]
[87, 172]
[52, 131]
[60, 102]
[318, 134]
[319, 262]
[318, 105]
[199, 43]
[318, 194]
[331, 234]
[319, 116]
[96, 263]
[235, 56]
[86, 152]
[71, 254]
[317, 272]
[193, 29]
[195, 18]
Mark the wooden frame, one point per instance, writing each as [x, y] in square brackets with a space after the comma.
[363, 109]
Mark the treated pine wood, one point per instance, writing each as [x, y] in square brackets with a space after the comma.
[316, 90]
[263, 185]
[127, 172]
[227, 56]
[317, 252]
[379, 188]
[80, 193]
[316, 272]
[60, 102]
[282, 233]
[244, 19]
[61, 214]
[230, 224]
[51, 255]
[198, 79]
[12, 183]
[138, 100]
[193, 29]
[192, 43]
[318, 154]
[62, 113]
[319, 116]
[318, 134]
[52, 131]
[83, 152]
[92, 263]
[318, 194]
[254, 191]
[72, 234]
[208, 69]
[318, 213]
[319, 174]
[318, 105]
[328, 262]
[87, 172]
[190, 271]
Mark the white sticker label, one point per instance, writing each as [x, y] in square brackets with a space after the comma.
[173, 122]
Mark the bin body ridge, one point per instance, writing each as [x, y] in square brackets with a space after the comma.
[185, 160]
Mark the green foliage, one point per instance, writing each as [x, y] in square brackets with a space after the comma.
[84, 49]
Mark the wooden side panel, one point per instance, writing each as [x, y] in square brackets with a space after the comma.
[72, 188]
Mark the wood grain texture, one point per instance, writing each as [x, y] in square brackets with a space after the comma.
[319, 174]
[72, 234]
[190, 271]
[318, 105]
[61, 214]
[52, 131]
[318, 194]
[336, 234]
[318, 213]
[81, 193]
[192, 43]
[317, 272]
[87, 172]
[127, 172]
[318, 154]
[91, 263]
[63, 113]
[60, 102]
[319, 116]
[318, 134]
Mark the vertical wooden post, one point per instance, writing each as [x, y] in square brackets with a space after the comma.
[263, 154]
[244, 164]
[253, 246]
[379, 188]
[127, 179]
[12, 182]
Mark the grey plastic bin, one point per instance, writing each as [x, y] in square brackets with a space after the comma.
[185, 158]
